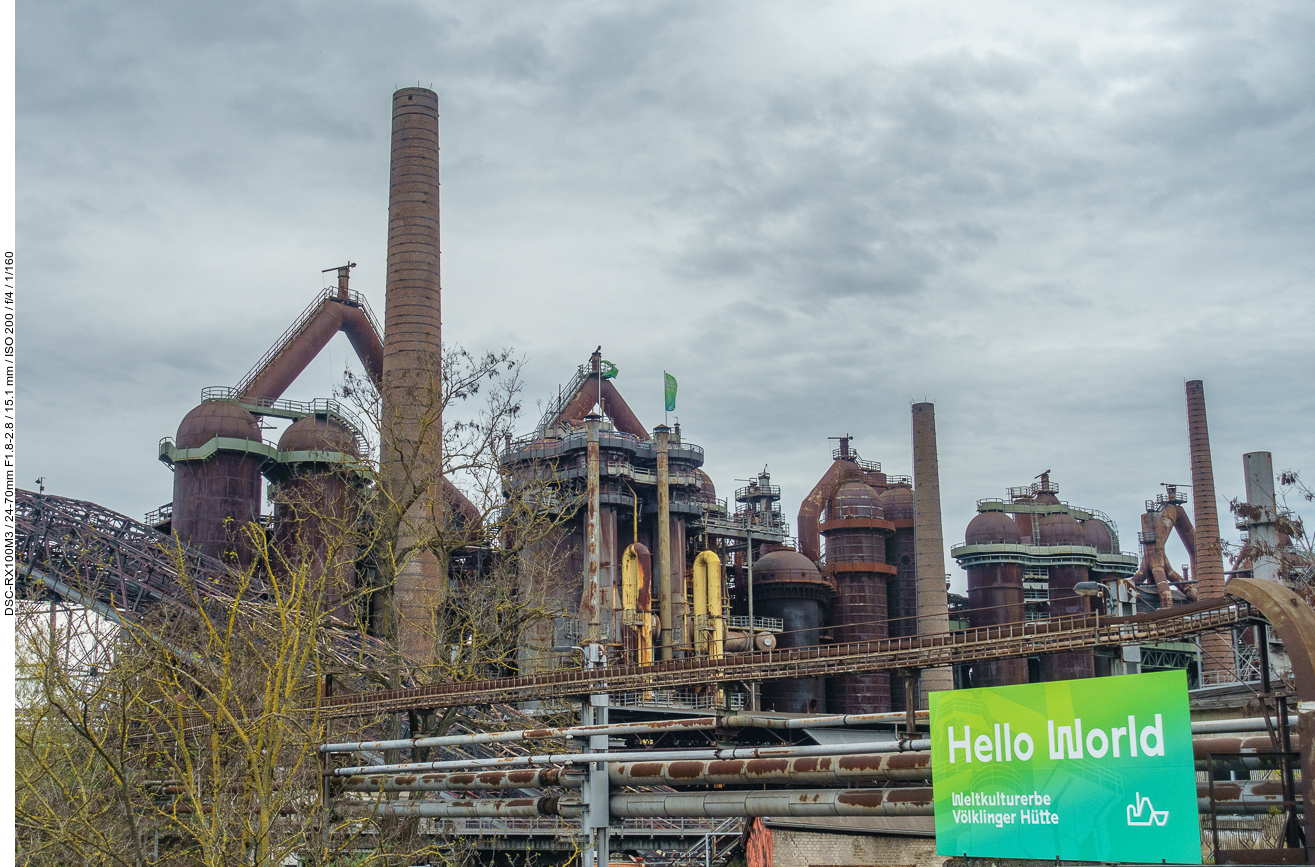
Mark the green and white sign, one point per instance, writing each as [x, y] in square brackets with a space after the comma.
[1086, 770]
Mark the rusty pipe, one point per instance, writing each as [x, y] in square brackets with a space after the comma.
[806, 523]
[892, 746]
[532, 778]
[827, 771]
[1242, 796]
[785, 802]
[478, 808]
[1162, 586]
[333, 316]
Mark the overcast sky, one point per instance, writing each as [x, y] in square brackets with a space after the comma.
[1042, 217]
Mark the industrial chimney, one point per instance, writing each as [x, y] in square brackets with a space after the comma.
[1216, 649]
[411, 447]
[933, 606]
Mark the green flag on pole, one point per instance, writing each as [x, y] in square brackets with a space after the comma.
[607, 370]
[671, 391]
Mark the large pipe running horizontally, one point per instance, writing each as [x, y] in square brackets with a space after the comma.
[702, 723]
[1230, 798]
[534, 778]
[646, 755]
[782, 802]
[825, 771]
[706, 723]
[476, 808]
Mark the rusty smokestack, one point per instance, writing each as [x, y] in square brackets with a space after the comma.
[661, 436]
[412, 426]
[1216, 650]
[929, 544]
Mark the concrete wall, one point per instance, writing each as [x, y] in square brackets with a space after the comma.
[792, 848]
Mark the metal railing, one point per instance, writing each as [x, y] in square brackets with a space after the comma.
[559, 403]
[159, 515]
[284, 408]
[760, 624]
[851, 455]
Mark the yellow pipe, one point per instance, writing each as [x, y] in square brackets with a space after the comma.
[707, 601]
[633, 593]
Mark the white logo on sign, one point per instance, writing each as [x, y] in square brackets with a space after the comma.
[1152, 815]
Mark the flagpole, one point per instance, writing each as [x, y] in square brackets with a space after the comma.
[664, 396]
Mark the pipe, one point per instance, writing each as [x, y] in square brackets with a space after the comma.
[637, 596]
[806, 524]
[748, 720]
[478, 808]
[838, 770]
[590, 601]
[707, 601]
[1233, 797]
[785, 802]
[648, 755]
[613, 405]
[1201, 747]
[1228, 726]
[534, 778]
[1216, 649]
[738, 642]
[701, 723]
[334, 315]
[929, 544]
[662, 435]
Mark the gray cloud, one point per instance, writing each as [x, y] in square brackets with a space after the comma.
[812, 216]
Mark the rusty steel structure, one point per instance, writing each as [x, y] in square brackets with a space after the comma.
[855, 530]
[90, 556]
[1030, 638]
[1025, 555]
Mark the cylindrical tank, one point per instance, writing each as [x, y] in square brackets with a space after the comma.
[1098, 536]
[217, 498]
[787, 585]
[995, 595]
[854, 545]
[315, 509]
[1064, 529]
